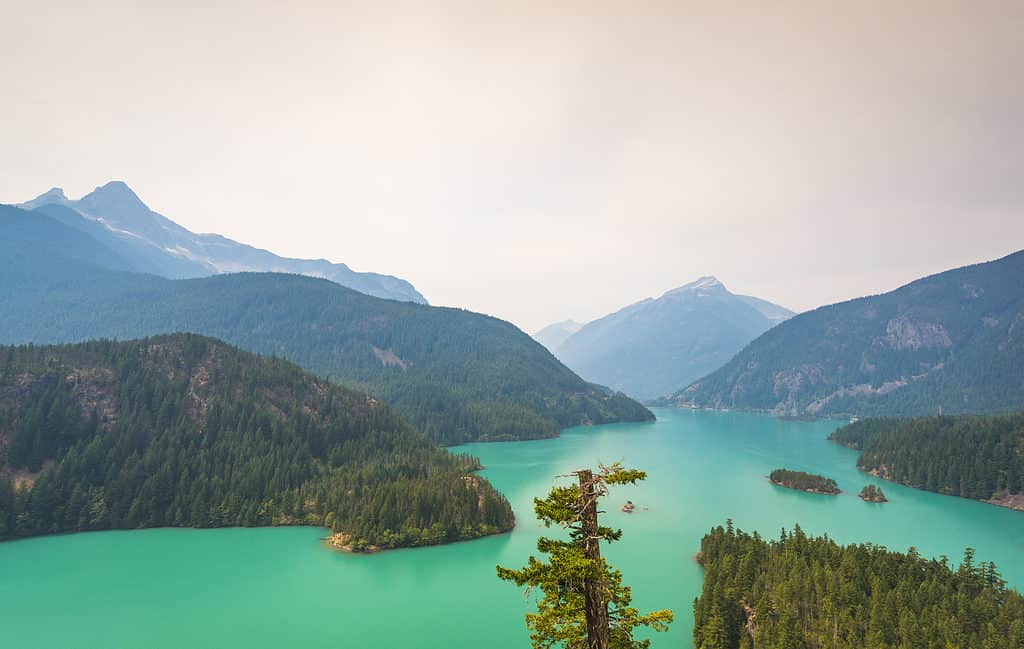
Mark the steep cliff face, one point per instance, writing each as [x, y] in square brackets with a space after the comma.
[951, 340]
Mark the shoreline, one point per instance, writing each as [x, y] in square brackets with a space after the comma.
[781, 416]
[342, 542]
[1008, 501]
[1014, 502]
[324, 540]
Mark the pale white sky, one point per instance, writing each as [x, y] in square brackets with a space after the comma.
[540, 164]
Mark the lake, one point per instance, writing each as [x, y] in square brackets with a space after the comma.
[280, 587]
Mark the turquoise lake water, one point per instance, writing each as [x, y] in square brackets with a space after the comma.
[257, 588]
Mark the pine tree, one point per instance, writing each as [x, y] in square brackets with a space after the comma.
[585, 604]
[810, 593]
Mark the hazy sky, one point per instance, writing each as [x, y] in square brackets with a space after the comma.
[539, 163]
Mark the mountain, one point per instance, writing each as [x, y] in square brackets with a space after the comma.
[29, 240]
[657, 346]
[773, 312]
[555, 334]
[952, 341]
[458, 376]
[53, 196]
[184, 430]
[117, 217]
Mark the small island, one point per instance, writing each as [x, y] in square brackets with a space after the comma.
[809, 482]
[873, 494]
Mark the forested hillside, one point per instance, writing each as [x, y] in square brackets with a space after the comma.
[456, 375]
[801, 592]
[953, 340]
[969, 456]
[184, 430]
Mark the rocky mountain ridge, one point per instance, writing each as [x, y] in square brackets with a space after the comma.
[953, 340]
[114, 214]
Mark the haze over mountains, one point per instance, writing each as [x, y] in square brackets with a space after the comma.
[456, 375]
[952, 341]
[658, 345]
[555, 334]
[151, 243]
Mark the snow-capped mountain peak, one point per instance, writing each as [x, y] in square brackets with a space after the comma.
[161, 246]
[702, 286]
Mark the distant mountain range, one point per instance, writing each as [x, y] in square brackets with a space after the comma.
[657, 346]
[952, 341]
[555, 334]
[148, 242]
[457, 375]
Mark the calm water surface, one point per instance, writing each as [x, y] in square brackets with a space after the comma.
[256, 588]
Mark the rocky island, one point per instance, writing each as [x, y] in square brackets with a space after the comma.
[872, 494]
[809, 482]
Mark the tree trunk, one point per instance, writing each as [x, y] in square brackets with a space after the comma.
[596, 602]
[750, 616]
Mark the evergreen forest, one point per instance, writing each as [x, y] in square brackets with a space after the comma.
[184, 430]
[980, 457]
[805, 592]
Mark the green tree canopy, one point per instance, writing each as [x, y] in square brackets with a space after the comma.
[584, 603]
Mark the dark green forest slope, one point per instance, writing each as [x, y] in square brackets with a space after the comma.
[184, 430]
[457, 375]
[969, 456]
[801, 592]
[954, 340]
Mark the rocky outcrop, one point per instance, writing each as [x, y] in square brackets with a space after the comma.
[906, 333]
[1008, 500]
[954, 340]
[389, 358]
